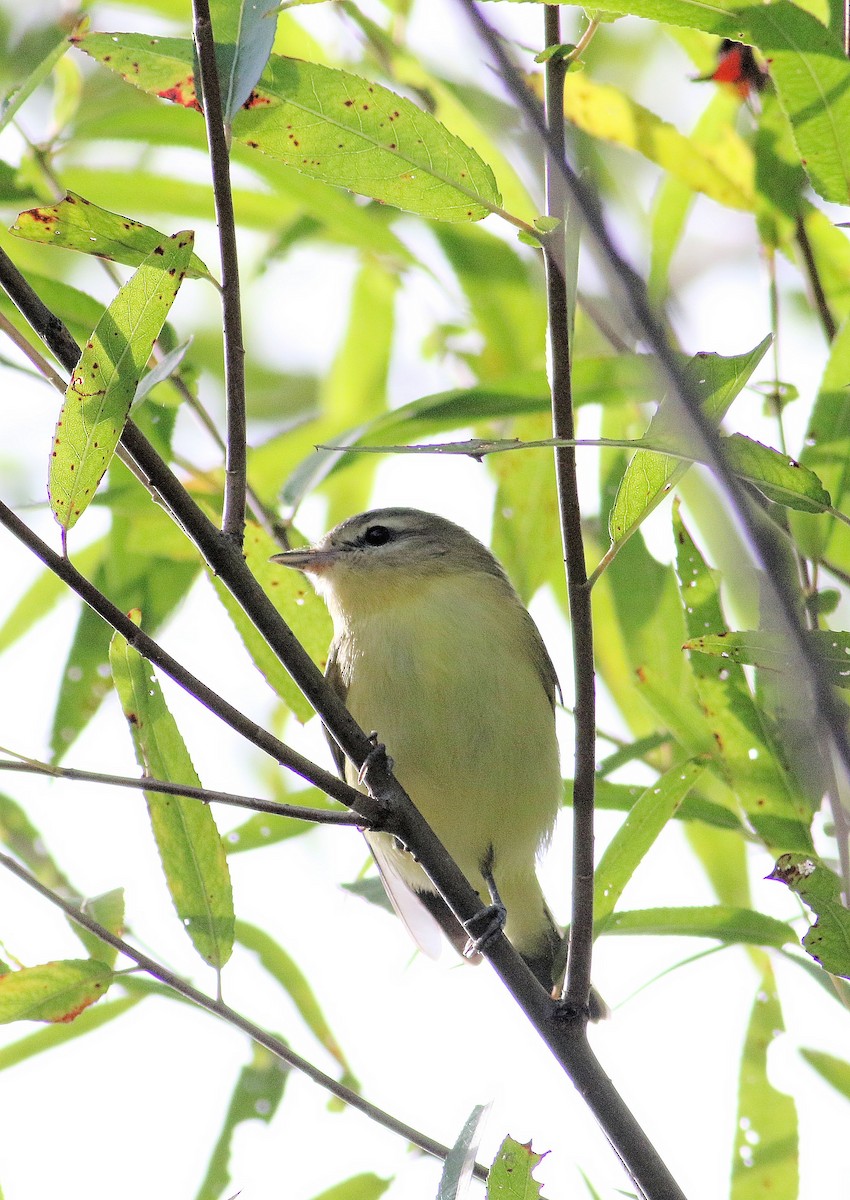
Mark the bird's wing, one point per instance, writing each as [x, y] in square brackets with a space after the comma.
[425, 915]
[333, 674]
[420, 923]
[543, 663]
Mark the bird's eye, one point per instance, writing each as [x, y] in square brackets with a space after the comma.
[377, 535]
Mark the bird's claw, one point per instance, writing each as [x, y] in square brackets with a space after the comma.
[484, 928]
[377, 755]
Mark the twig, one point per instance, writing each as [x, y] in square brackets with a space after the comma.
[319, 816]
[563, 426]
[235, 476]
[219, 1009]
[151, 650]
[813, 276]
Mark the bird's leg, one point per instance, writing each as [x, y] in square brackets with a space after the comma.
[486, 926]
[377, 761]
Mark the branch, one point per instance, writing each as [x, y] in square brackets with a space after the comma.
[563, 426]
[151, 650]
[319, 816]
[219, 1009]
[235, 478]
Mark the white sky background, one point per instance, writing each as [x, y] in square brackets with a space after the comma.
[133, 1109]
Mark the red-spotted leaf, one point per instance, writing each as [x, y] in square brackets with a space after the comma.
[55, 991]
[104, 381]
[77, 224]
[328, 124]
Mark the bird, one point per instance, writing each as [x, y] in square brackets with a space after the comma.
[434, 650]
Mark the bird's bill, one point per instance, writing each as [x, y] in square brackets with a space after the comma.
[306, 558]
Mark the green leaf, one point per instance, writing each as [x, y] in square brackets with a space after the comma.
[610, 380]
[647, 817]
[338, 127]
[724, 173]
[726, 924]
[244, 35]
[812, 78]
[650, 477]
[55, 991]
[13, 102]
[296, 602]
[108, 910]
[770, 650]
[57, 1035]
[828, 940]
[189, 845]
[104, 381]
[834, 1070]
[328, 124]
[776, 476]
[457, 1167]
[274, 959]
[256, 1097]
[355, 388]
[44, 594]
[826, 449]
[267, 829]
[359, 1187]
[766, 1141]
[510, 1176]
[26, 843]
[744, 746]
[77, 224]
[715, 136]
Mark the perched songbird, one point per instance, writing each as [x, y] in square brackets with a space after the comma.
[434, 650]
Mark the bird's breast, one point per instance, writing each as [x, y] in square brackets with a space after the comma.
[450, 681]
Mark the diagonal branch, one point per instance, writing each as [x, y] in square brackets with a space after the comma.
[153, 652]
[219, 1009]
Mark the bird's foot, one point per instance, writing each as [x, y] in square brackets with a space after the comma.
[484, 928]
[376, 759]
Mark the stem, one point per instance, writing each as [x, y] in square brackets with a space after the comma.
[219, 1009]
[162, 787]
[563, 426]
[235, 478]
[813, 274]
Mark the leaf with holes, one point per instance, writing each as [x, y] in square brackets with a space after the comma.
[828, 940]
[104, 381]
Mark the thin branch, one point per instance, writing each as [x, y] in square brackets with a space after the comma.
[153, 652]
[235, 479]
[563, 426]
[38, 360]
[219, 1009]
[319, 816]
[264, 517]
[814, 280]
